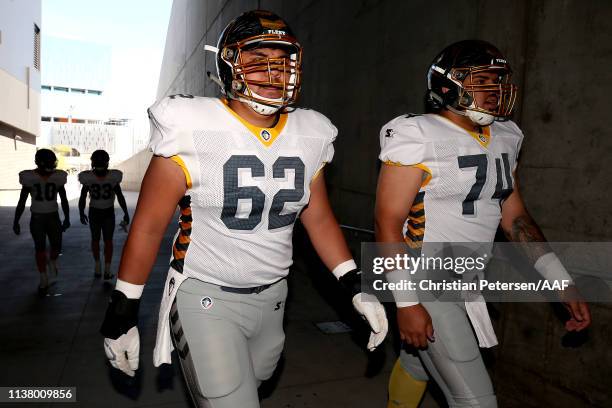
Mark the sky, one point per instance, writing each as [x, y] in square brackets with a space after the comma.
[136, 32]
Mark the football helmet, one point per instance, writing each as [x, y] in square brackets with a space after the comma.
[259, 29]
[99, 162]
[460, 61]
[45, 160]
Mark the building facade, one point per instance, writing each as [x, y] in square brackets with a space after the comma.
[20, 69]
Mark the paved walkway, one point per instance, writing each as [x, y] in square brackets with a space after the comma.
[54, 341]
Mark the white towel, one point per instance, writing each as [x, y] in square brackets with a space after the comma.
[163, 342]
[476, 309]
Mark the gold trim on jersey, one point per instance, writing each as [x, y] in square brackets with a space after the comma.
[415, 224]
[183, 239]
[266, 136]
[483, 138]
[319, 171]
[181, 163]
[421, 166]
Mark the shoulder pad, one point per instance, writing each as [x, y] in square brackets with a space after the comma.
[26, 177]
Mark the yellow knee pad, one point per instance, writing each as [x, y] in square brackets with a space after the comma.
[404, 390]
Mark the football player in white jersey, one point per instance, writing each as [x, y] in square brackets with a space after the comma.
[44, 184]
[242, 169]
[450, 176]
[102, 185]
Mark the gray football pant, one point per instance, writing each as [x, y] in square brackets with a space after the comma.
[453, 359]
[227, 347]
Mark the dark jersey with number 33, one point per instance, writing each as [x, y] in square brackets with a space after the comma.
[101, 189]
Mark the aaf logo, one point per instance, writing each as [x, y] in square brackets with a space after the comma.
[206, 302]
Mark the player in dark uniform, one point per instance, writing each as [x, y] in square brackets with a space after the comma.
[44, 184]
[102, 185]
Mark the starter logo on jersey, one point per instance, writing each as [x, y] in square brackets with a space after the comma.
[278, 305]
[389, 133]
[207, 302]
[265, 135]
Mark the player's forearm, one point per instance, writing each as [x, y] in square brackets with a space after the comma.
[19, 211]
[139, 255]
[122, 203]
[387, 231]
[82, 202]
[328, 240]
[523, 229]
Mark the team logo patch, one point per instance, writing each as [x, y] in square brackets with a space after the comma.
[206, 302]
[265, 135]
[482, 138]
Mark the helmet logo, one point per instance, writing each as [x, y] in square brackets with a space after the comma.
[265, 135]
[227, 53]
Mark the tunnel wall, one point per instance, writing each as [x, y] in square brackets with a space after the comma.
[365, 63]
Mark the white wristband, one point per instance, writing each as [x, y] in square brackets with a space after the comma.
[343, 268]
[130, 290]
[551, 268]
[402, 298]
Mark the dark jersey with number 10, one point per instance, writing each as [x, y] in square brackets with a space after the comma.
[43, 190]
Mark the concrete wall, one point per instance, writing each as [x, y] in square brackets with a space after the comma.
[365, 63]
[133, 170]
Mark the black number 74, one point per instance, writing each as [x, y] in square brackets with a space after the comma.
[480, 161]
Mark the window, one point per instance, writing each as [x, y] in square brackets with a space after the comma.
[93, 92]
[60, 88]
[77, 90]
[45, 119]
[45, 87]
[36, 47]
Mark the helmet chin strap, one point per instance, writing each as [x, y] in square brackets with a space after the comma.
[263, 109]
[479, 118]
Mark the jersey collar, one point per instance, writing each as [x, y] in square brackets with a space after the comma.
[483, 138]
[266, 136]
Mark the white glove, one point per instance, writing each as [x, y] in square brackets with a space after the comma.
[373, 312]
[123, 352]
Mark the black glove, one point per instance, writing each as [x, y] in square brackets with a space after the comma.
[351, 282]
[121, 315]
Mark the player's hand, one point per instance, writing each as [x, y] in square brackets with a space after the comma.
[374, 313]
[121, 338]
[65, 224]
[16, 228]
[415, 325]
[126, 219]
[580, 316]
[123, 353]
[84, 219]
